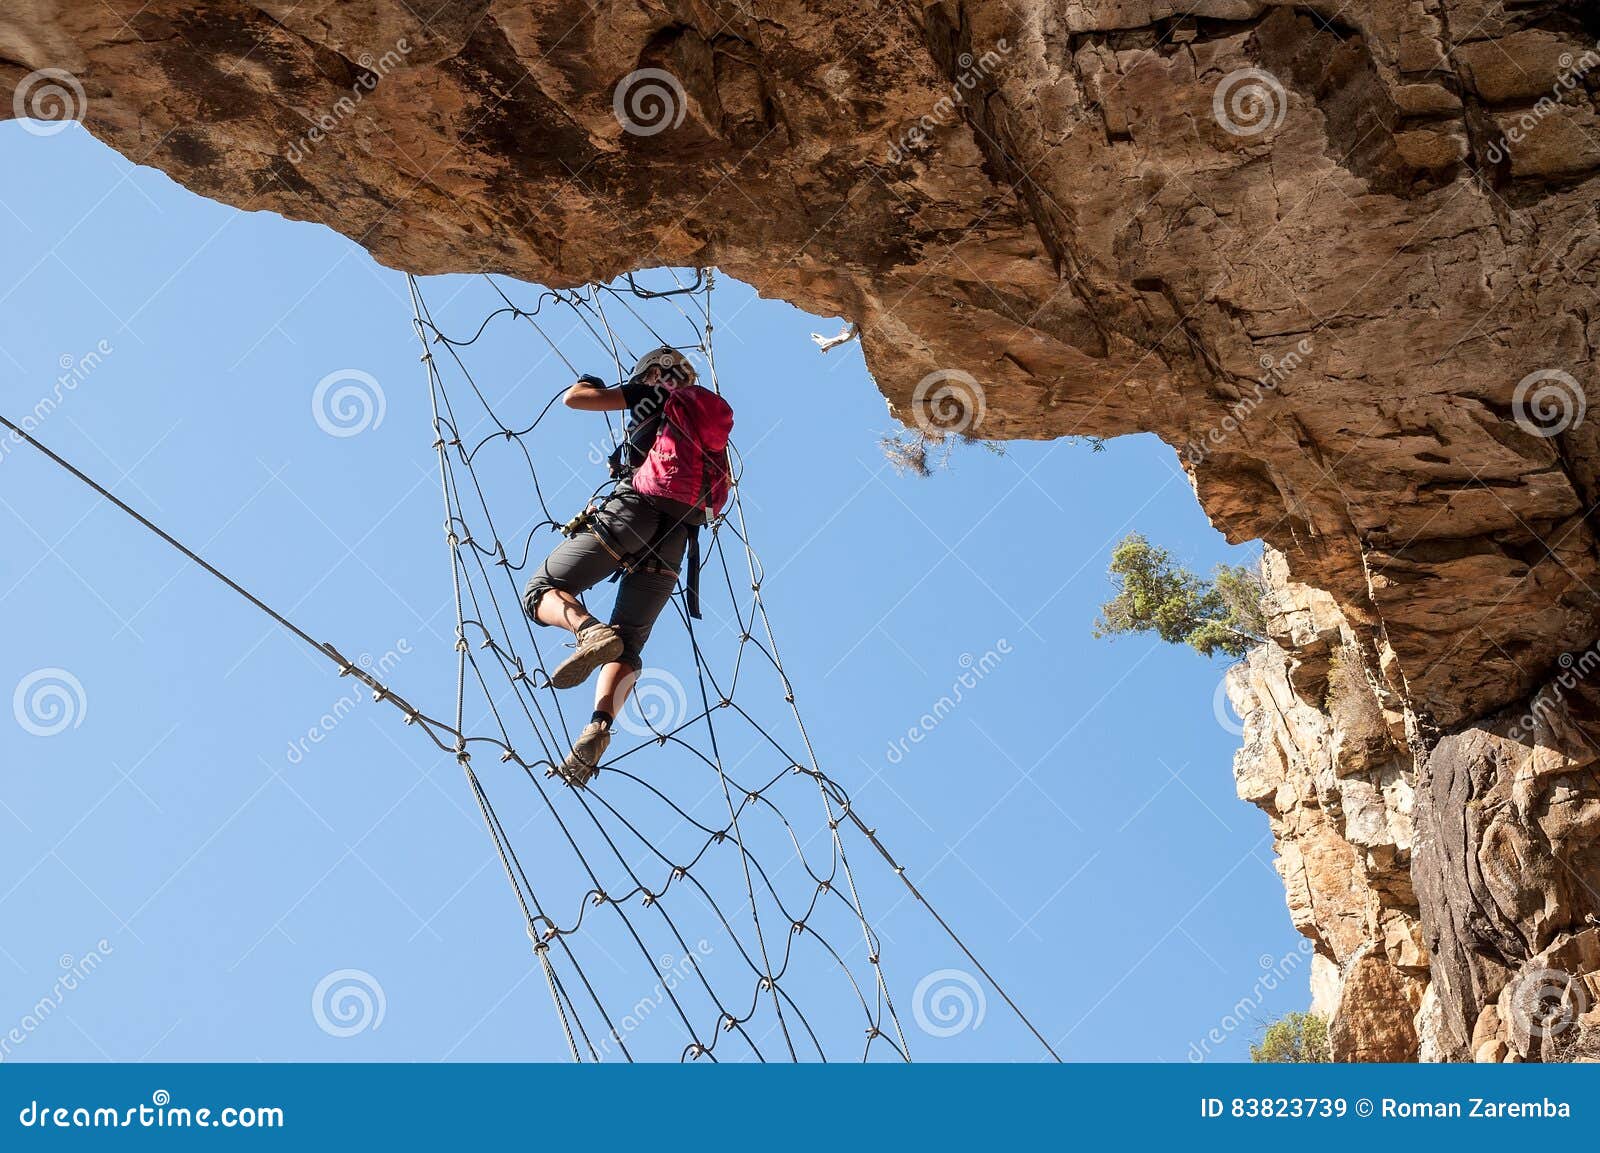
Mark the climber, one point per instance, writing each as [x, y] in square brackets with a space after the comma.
[671, 473]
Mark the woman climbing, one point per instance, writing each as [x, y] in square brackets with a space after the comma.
[671, 475]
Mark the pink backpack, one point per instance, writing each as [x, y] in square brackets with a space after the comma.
[688, 462]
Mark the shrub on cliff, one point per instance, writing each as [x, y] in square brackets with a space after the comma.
[1156, 594]
[1295, 1039]
[923, 451]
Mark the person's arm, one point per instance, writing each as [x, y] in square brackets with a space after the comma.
[591, 394]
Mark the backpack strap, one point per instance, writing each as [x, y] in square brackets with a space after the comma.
[691, 578]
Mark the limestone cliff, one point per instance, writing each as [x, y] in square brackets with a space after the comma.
[1445, 926]
[1343, 257]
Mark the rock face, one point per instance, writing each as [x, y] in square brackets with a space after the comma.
[1449, 888]
[1343, 257]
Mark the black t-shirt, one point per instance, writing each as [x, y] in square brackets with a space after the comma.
[645, 403]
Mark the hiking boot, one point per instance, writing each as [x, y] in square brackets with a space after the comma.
[583, 762]
[597, 645]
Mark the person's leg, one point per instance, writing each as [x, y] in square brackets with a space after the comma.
[560, 608]
[641, 596]
[612, 689]
[621, 527]
[573, 567]
[644, 593]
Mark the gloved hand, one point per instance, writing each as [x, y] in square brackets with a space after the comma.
[592, 381]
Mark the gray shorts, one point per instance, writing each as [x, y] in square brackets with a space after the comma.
[624, 527]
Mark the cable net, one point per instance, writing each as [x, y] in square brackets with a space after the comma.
[710, 853]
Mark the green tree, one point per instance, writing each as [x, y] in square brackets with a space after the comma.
[1156, 594]
[1296, 1039]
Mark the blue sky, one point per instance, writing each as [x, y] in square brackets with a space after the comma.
[1073, 817]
